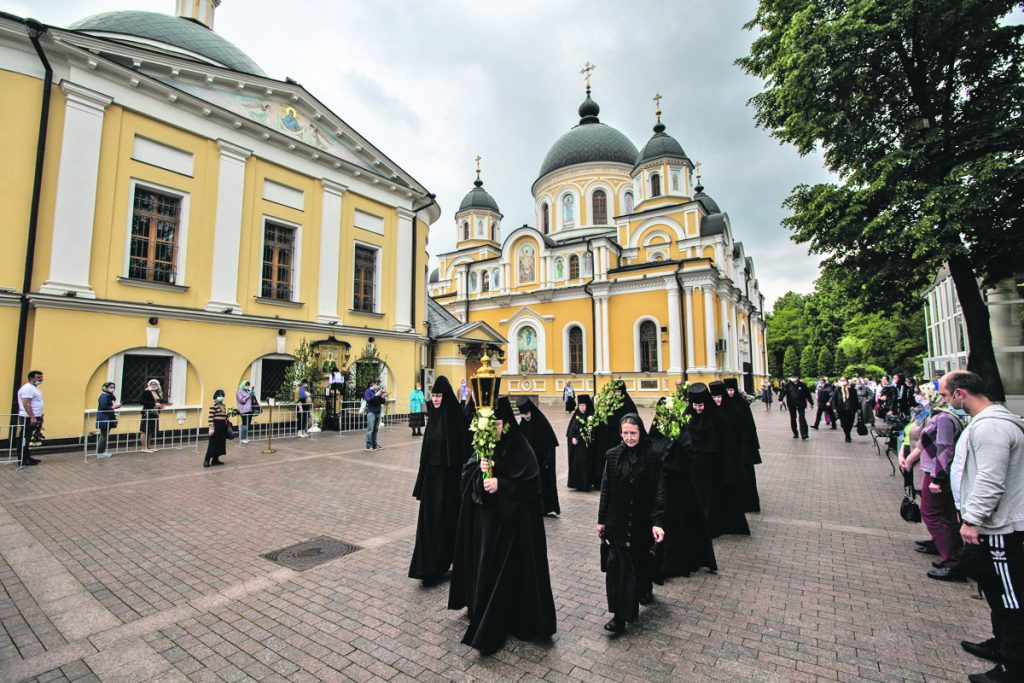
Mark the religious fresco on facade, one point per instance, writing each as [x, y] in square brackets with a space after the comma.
[279, 116]
[559, 268]
[527, 263]
[479, 227]
[629, 202]
[588, 264]
[568, 208]
[675, 181]
[495, 279]
[526, 345]
[472, 281]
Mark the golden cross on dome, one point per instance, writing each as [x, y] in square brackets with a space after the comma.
[657, 105]
[587, 69]
[696, 167]
[478, 157]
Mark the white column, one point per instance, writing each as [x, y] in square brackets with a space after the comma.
[606, 347]
[403, 264]
[723, 306]
[735, 339]
[330, 252]
[688, 297]
[709, 329]
[599, 339]
[675, 330]
[227, 231]
[75, 208]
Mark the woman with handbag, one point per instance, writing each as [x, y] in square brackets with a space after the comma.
[106, 418]
[245, 400]
[216, 444]
[152, 403]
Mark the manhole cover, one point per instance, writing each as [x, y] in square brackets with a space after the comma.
[308, 554]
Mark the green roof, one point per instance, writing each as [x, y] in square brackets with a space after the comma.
[589, 142]
[479, 198]
[179, 32]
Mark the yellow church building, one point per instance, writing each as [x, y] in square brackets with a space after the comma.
[631, 271]
[172, 212]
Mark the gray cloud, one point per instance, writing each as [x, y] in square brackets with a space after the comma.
[435, 84]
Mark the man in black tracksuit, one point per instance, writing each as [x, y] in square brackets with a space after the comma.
[824, 397]
[798, 397]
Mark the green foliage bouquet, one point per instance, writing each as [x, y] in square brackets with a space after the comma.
[670, 415]
[608, 400]
[485, 437]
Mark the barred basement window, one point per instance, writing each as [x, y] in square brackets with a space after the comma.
[365, 279]
[154, 240]
[138, 369]
[278, 261]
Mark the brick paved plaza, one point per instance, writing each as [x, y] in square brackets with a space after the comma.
[148, 568]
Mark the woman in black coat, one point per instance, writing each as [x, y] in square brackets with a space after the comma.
[444, 449]
[606, 436]
[217, 443]
[750, 445]
[538, 432]
[728, 501]
[579, 449]
[629, 522]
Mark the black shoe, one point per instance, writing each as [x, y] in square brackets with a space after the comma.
[833, 428]
[927, 550]
[925, 543]
[804, 437]
[29, 463]
[947, 574]
[615, 626]
[814, 427]
[647, 598]
[938, 564]
[796, 436]
[206, 463]
[996, 674]
[848, 439]
[986, 649]
[215, 462]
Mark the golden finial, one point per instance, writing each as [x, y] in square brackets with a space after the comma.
[696, 167]
[478, 157]
[657, 105]
[587, 69]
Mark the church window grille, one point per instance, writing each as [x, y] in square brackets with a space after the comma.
[363, 294]
[272, 375]
[485, 281]
[545, 218]
[154, 240]
[648, 346]
[574, 267]
[600, 202]
[136, 372]
[278, 261]
[576, 351]
[655, 185]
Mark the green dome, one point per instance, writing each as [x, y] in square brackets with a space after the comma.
[479, 198]
[591, 140]
[178, 32]
[661, 145]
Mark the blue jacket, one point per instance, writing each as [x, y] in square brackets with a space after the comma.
[105, 410]
[373, 401]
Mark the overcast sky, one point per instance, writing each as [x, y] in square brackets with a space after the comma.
[433, 84]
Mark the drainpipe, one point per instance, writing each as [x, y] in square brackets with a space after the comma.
[682, 316]
[35, 30]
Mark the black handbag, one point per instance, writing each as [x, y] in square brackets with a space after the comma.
[862, 429]
[229, 430]
[910, 511]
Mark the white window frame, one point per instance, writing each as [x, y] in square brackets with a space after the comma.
[609, 203]
[566, 356]
[376, 276]
[183, 214]
[636, 341]
[296, 256]
[179, 373]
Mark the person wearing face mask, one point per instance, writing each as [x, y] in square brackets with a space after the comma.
[797, 397]
[629, 522]
[846, 404]
[30, 416]
[538, 432]
[217, 443]
[445, 447]
[245, 400]
[500, 573]
[152, 403]
[106, 418]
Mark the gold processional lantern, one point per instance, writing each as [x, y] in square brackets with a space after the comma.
[486, 385]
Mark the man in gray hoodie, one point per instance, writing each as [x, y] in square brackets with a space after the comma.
[989, 470]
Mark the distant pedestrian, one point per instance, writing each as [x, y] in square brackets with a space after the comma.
[797, 397]
[569, 396]
[30, 416]
[987, 478]
[303, 408]
[847, 405]
[374, 397]
[465, 394]
[417, 410]
[866, 397]
[766, 395]
[824, 398]
[106, 418]
[217, 443]
[245, 401]
[152, 404]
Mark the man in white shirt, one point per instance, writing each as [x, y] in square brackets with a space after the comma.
[30, 415]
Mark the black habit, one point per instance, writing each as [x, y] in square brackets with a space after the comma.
[579, 452]
[750, 446]
[606, 436]
[501, 565]
[443, 451]
[632, 502]
[727, 505]
[542, 440]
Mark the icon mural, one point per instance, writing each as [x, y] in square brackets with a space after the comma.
[526, 342]
[527, 263]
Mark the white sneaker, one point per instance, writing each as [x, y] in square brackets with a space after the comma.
[303, 435]
[104, 455]
[244, 441]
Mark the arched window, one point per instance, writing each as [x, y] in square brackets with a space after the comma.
[526, 348]
[465, 230]
[574, 267]
[575, 350]
[655, 185]
[545, 218]
[629, 202]
[648, 346]
[600, 203]
[485, 281]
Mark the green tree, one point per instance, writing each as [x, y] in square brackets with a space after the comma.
[304, 367]
[824, 361]
[368, 367]
[917, 108]
[839, 362]
[785, 326]
[791, 362]
[808, 362]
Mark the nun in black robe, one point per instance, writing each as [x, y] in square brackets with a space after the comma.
[727, 500]
[443, 451]
[501, 563]
[687, 546]
[535, 427]
[629, 522]
[606, 436]
[750, 446]
[579, 449]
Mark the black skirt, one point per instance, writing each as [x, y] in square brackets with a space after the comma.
[416, 420]
[217, 445]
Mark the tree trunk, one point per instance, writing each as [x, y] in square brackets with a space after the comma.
[982, 356]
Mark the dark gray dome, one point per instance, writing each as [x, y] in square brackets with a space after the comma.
[709, 204]
[179, 32]
[589, 142]
[435, 276]
[713, 224]
[479, 198]
[661, 145]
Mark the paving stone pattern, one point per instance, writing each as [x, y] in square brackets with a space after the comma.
[148, 567]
